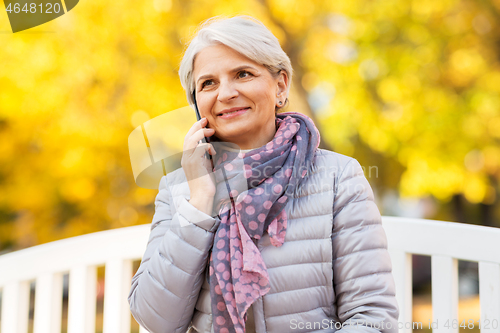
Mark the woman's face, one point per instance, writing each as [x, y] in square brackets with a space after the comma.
[224, 80]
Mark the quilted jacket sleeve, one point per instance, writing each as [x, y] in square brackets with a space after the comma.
[166, 286]
[362, 269]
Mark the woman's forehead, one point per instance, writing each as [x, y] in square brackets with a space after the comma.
[213, 57]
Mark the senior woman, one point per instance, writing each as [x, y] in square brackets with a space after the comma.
[299, 248]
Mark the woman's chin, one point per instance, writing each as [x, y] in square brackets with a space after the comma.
[229, 131]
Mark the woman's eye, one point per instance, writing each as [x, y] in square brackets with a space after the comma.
[244, 72]
[204, 83]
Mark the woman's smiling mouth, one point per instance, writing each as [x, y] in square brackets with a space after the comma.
[232, 114]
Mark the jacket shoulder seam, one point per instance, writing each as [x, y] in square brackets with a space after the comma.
[337, 188]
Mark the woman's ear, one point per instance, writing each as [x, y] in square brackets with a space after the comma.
[282, 89]
[282, 82]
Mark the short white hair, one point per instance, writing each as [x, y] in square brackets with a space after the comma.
[244, 34]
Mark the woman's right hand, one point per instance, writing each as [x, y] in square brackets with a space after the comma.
[198, 168]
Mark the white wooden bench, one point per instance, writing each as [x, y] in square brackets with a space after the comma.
[445, 242]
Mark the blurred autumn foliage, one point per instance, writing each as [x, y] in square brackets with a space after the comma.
[409, 88]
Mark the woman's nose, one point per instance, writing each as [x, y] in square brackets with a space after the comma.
[227, 91]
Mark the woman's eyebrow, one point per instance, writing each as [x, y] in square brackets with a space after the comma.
[237, 69]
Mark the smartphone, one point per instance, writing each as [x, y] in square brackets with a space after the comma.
[198, 117]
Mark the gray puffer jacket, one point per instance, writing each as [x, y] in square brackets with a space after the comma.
[333, 273]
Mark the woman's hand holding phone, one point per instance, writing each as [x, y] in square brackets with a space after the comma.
[198, 168]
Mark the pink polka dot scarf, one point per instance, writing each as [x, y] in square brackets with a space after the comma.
[237, 273]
